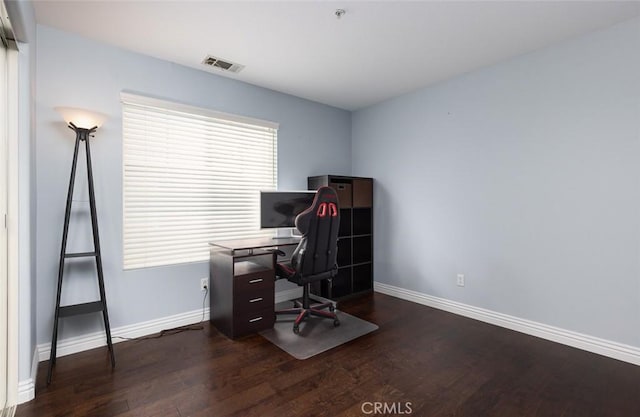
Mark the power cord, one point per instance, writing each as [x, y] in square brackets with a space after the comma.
[175, 330]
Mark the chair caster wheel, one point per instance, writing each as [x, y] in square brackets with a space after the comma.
[336, 323]
[296, 329]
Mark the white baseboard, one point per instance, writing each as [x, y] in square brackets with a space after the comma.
[626, 353]
[26, 391]
[97, 339]
[94, 340]
[27, 388]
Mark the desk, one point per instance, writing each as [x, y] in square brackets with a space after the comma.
[242, 284]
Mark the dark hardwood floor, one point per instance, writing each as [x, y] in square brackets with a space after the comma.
[440, 363]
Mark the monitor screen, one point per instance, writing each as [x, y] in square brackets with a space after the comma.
[280, 208]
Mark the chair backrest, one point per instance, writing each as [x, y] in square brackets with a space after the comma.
[316, 252]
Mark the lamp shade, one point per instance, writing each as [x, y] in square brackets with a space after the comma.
[84, 119]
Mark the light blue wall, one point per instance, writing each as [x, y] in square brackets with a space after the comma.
[524, 176]
[75, 71]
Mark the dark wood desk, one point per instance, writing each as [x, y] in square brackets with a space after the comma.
[242, 284]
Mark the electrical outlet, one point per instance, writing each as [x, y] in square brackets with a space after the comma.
[204, 284]
[460, 280]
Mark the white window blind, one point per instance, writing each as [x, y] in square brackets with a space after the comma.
[191, 176]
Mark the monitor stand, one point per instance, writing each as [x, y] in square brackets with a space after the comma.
[286, 233]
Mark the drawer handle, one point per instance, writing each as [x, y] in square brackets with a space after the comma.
[255, 300]
[255, 281]
[256, 319]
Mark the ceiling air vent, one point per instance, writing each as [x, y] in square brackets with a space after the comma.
[222, 65]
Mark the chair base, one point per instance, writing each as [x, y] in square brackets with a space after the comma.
[303, 309]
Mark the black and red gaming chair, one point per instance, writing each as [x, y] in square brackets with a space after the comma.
[315, 257]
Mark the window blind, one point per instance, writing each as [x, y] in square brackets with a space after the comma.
[191, 176]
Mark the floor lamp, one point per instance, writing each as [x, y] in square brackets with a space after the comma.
[84, 124]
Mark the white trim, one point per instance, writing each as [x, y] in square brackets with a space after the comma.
[136, 99]
[622, 352]
[97, 339]
[26, 391]
[13, 236]
[9, 411]
[4, 233]
[27, 388]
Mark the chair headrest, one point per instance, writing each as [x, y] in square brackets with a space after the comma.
[325, 205]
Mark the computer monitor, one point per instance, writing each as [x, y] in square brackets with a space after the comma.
[280, 208]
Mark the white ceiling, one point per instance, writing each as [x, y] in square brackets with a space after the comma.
[376, 51]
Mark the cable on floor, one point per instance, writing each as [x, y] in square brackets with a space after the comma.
[175, 330]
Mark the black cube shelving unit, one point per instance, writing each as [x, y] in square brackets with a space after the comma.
[355, 236]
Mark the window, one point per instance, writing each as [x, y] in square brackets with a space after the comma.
[191, 176]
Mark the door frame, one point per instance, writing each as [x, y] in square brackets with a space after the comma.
[10, 225]
[4, 235]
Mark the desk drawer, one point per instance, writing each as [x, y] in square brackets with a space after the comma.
[257, 281]
[245, 302]
[253, 322]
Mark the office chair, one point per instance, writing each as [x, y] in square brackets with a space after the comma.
[314, 259]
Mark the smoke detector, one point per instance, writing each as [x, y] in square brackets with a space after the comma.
[222, 64]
